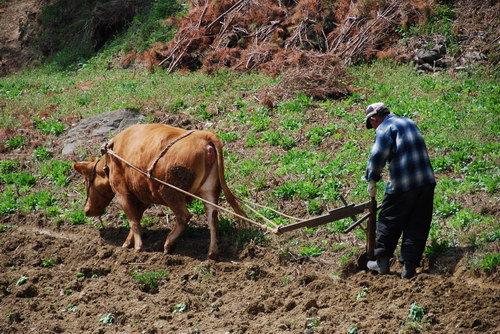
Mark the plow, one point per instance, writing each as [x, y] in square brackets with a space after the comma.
[347, 211]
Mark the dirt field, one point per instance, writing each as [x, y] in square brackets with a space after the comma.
[251, 289]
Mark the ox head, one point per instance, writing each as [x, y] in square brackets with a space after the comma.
[99, 192]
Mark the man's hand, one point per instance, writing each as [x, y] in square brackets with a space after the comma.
[372, 188]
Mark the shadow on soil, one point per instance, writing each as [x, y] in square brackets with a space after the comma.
[193, 242]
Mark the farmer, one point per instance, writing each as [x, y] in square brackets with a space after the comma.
[408, 199]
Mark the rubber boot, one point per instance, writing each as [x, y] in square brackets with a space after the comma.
[409, 270]
[381, 265]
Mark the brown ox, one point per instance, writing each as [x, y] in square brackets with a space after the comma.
[193, 163]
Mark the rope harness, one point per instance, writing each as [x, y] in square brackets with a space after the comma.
[106, 150]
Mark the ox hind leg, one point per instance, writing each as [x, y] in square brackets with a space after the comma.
[210, 191]
[182, 217]
[134, 211]
[213, 250]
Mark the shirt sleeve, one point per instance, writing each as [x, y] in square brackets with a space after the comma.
[379, 155]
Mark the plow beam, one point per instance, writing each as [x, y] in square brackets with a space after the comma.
[333, 215]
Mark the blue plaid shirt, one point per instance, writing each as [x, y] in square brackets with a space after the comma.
[399, 142]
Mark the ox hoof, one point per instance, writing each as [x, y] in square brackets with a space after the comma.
[168, 249]
[126, 245]
[213, 256]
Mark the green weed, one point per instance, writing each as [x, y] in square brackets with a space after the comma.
[149, 281]
[14, 142]
[362, 293]
[437, 247]
[311, 251]
[50, 262]
[22, 280]
[7, 166]
[318, 133]
[107, 319]
[251, 140]
[50, 126]
[487, 262]
[180, 308]
[353, 329]
[228, 136]
[4, 228]
[416, 312]
[8, 203]
[277, 138]
[196, 207]
[242, 236]
[36, 201]
[21, 180]
[299, 104]
[314, 207]
[300, 189]
[76, 217]
[285, 281]
[57, 171]
[313, 322]
[42, 153]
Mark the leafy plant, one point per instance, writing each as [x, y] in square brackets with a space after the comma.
[48, 262]
[19, 179]
[7, 166]
[58, 171]
[196, 207]
[22, 280]
[312, 251]
[4, 228]
[180, 308]
[285, 281]
[8, 203]
[277, 138]
[14, 142]
[362, 293]
[36, 201]
[228, 136]
[353, 329]
[313, 322]
[318, 133]
[149, 281]
[42, 153]
[108, 319]
[50, 126]
[437, 247]
[416, 312]
[488, 262]
[76, 216]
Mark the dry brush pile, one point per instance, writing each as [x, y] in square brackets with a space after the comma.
[310, 40]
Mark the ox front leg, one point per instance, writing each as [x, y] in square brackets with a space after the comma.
[213, 250]
[134, 211]
[182, 217]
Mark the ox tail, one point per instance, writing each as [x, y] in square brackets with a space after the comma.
[220, 166]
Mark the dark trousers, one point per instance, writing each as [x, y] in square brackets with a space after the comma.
[410, 214]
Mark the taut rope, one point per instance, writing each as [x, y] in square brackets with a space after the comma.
[148, 175]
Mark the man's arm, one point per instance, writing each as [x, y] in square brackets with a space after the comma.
[379, 155]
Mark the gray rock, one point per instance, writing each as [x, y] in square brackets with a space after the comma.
[101, 127]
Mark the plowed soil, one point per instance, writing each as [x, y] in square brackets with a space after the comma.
[251, 289]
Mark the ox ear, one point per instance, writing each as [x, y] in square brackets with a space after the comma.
[82, 168]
